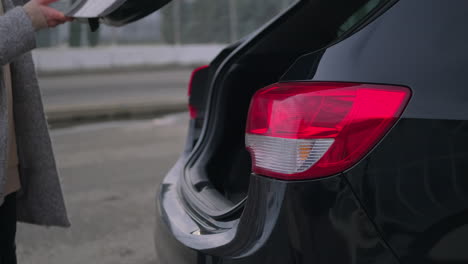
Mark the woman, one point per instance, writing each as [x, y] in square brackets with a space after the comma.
[29, 186]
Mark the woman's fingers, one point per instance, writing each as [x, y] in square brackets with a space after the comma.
[46, 2]
[53, 16]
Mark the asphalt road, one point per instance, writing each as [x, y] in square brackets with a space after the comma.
[110, 173]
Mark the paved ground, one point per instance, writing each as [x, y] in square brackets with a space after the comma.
[117, 93]
[110, 172]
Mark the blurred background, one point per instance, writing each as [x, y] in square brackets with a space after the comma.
[116, 101]
[198, 29]
[180, 22]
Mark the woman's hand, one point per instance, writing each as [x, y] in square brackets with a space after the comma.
[45, 16]
[52, 15]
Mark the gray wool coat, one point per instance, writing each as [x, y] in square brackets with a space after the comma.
[40, 200]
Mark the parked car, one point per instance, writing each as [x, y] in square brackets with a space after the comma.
[336, 133]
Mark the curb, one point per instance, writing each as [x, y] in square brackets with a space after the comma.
[81, 114]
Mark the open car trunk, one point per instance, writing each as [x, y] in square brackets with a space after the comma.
[217, 169]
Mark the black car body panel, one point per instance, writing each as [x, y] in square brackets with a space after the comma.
[405, 202]
[414, 184]
[282, 223]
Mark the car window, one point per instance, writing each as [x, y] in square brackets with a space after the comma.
[361, 13]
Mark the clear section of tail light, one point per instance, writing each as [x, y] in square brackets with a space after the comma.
[318, 129]
[285, 155]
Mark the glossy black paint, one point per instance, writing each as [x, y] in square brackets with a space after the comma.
[414, 185]
[302, 222]
[418, 197]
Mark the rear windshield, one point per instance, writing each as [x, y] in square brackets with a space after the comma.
[359, 15]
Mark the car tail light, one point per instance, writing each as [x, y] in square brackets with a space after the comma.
[192, 109]
[317, 129]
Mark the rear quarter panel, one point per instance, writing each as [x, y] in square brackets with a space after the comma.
[414, 184]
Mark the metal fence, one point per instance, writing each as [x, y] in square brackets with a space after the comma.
[181, 22]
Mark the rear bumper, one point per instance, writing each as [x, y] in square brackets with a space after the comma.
[283, 222]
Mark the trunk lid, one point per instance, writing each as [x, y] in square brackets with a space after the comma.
[114, 12]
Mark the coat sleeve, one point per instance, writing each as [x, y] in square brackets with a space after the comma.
[17, 35]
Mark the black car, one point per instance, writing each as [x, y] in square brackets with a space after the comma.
[335, 134]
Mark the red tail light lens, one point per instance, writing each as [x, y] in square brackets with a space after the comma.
[318, 129]
[193, 110]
